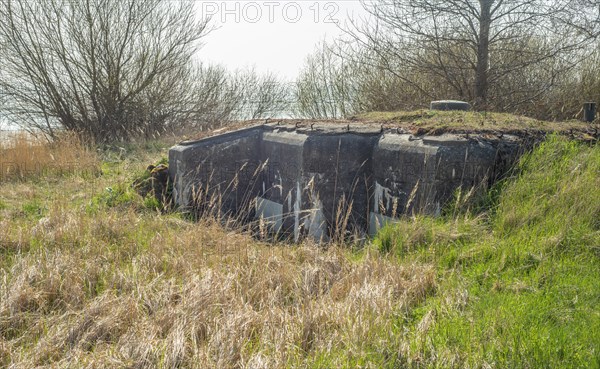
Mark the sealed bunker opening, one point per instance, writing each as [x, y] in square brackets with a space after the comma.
[328, 180]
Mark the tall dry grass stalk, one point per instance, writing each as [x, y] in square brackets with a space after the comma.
[24, 156]
[168, 293]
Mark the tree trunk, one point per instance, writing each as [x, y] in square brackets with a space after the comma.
[483, 55]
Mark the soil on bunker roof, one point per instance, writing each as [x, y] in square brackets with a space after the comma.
[426, 122]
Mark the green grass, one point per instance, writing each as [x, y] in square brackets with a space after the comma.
[521, 288]
[33, 209]
[91, 274]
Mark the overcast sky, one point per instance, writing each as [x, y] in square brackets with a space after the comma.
[271, 35]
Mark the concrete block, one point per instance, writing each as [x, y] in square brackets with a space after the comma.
[378, 221]
[450, 105]
[220, 169]
[309, 182]
[271, 213]
[281, 178]
[337, 169]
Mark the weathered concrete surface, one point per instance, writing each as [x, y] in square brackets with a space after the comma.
[217, 174]
[330, 180]
[281, 179]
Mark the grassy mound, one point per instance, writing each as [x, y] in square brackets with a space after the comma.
[436, 122]
[91, 276]
[520, 289]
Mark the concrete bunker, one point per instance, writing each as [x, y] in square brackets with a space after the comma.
[329, 179]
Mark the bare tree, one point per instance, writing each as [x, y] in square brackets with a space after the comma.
[336, 82]
[214, 101]
[326, 85]
[475, 45]
[219, 96]
[564, 100]
[105, 69]
[259, 95]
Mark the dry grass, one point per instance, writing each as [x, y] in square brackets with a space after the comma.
[90, 277]
[437, 122]
[129, 288]
[24, 156]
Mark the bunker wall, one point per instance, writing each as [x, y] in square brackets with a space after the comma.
[217, 172]
[327, 183]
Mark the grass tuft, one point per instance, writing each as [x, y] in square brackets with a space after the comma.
[23, 156]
